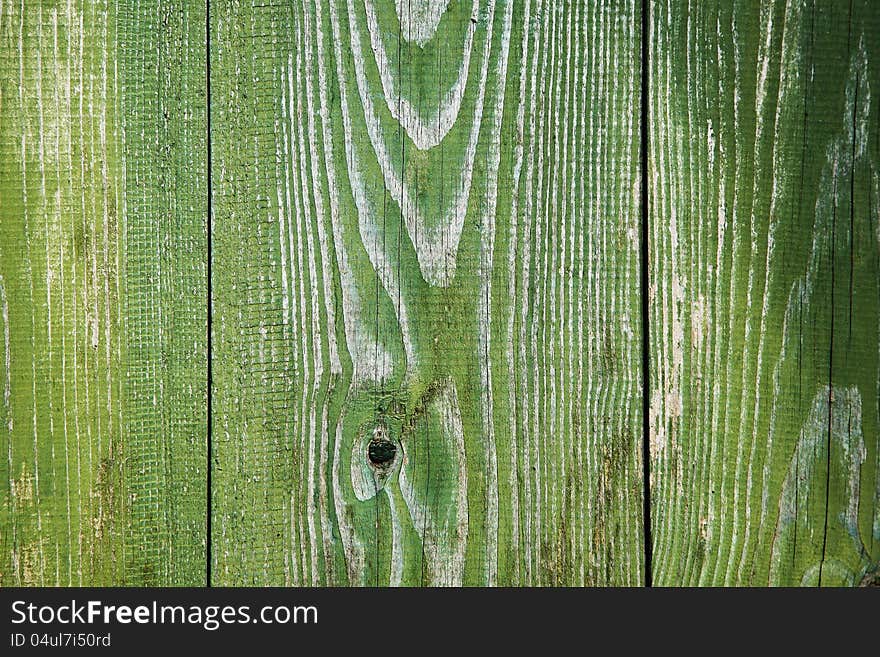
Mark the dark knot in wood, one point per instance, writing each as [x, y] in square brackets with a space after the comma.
[381, 451]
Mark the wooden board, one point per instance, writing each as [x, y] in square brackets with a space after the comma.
[103, 294]
[426, 294]
[425, 247]
[765, 292]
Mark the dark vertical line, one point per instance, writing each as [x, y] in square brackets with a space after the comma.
[830, 389]
[831, 323]
[209, 491]
[643, 261]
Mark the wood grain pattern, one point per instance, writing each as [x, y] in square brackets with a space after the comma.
[765, 294]
[426, 243]
[426, 296]
[102, 256]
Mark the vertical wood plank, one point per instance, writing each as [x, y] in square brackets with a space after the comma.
[103, 294]
[162, 62]
[765, 293]
[426, 293]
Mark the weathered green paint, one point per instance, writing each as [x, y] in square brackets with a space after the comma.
[103, 294]
[450, 269]
[426, 295]
[765, 293]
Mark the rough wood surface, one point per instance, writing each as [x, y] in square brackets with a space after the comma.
[765, 292]
[102, 294]
[426, 248]
[426, 224]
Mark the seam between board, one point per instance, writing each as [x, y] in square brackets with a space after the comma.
[645, 318]
[210, 386]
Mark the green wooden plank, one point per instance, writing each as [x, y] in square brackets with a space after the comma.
[164, 103]
[765, 292]
[425, 240]
[103, 292]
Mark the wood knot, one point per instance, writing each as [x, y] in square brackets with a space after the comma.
[381, 451]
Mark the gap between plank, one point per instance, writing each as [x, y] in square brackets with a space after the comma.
[210, 309]
[643, 262]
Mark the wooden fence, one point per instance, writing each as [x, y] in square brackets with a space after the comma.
[440, 292]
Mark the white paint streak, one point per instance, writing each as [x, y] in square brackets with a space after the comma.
[484, 308]
[352, 547]
[443, 531]
[396, 576]
[425, 133]
[370, 361]
[419, 18]
[843, 405]
[7, 364]
[436, 242]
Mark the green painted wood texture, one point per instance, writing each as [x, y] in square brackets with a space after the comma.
[765, 292]
[426, 221]
[425, 237]
[103, 291]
